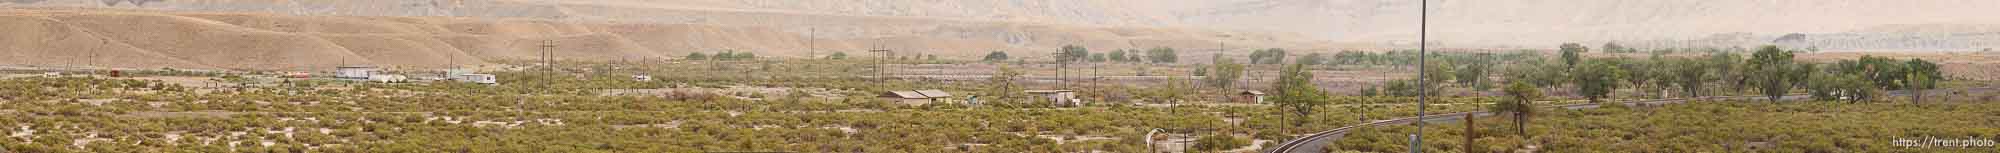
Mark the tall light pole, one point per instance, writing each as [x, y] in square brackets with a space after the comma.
[1423, 21]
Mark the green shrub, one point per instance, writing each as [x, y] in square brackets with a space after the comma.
[1219, 142]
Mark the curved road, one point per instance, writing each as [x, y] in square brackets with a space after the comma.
[1317, 141]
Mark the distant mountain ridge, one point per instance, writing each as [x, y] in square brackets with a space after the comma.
[1470, 22]
[312, 34]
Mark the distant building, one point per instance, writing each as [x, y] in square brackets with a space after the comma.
[1058, 97]
[388, 78]
[298, 75]
[1250, 96]
[642, 78]
[916, 97]
[356, 72]
[477, 78]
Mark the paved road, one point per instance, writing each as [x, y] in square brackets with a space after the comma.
[1317, 141]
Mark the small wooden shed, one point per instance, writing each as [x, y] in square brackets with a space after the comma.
[1250, 96]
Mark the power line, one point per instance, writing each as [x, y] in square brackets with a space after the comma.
[883, 54]
[548, 63]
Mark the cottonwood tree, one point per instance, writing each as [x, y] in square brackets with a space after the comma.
[1613, 47]
[837, 56]
[1473, 74]
[1312, 59]
[1595, 79]
[1638, 73]
[1004, 79]
[1689, 75]
[1162, 55]
[1922, 75]
[1435, 83]
[1117, 56]
[1296, 91]
[1772, 71]
[1224, 74]
[1073, 53]
[1728, 67]
[1833, 86]
[1268, 56]
[1400, 88]
[1572, 53]
[697, 56]
[1519, 103]
[996, 56]
[1176, 89]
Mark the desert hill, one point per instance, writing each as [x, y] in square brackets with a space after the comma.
[256, 41]
[299, 34]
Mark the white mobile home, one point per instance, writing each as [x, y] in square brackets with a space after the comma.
[356, 72]
[478, 78]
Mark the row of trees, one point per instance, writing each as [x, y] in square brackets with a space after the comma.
[1770, 71]
[726, 55]
[1073, 53]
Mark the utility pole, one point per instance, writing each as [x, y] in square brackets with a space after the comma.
[812, 43]
[1062, 62]
[548, 63]
[1423, 21]
[880, 68]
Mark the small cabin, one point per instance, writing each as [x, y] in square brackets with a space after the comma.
[1250, 96]
[1058, 97]
[916, 97]
[356, 72]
